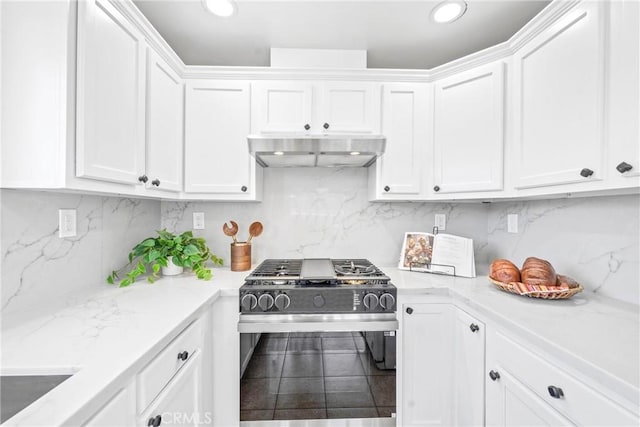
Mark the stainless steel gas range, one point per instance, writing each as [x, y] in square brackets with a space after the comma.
[324, 311]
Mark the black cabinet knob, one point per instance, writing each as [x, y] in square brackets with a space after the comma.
[474, 327]
[143, 179]
[494, 375]
[156, 182]
[183, 355]
[586, 172]
[436, 188]
[409, 310]
[243, 188]
[155, 421]
[624, 167]
[555, 392]
[387, 188]
[326, 125]
[307, 127]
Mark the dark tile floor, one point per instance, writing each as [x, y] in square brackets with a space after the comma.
[314, 376]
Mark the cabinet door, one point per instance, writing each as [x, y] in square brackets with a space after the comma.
[558, 105]
[405, 108]
[349, 107]
[469, 131]
[217, 158]
[179, 403]
[468, 371]
[119, 411]
[110, 95]
[624, 87]
[510, 403]
[282, 107]
[427, 354]
[165, 112]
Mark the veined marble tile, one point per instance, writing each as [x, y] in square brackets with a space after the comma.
[595, 240]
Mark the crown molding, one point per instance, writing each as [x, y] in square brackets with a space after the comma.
[543, 20]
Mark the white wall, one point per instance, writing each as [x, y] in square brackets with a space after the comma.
[39, 266]
[324, 213]
[595, 240]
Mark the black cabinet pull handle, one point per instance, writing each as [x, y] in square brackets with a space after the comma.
[243, 188]
[387, 188]
[494, 375]
[409, 310]
[155, 421]
[183, 355]
[143, 179]
[474, 327]
[586, 172]
[156, 182]
[326, 125]
[555, 392]
[624, 167]
[307, 127]
[436, 188]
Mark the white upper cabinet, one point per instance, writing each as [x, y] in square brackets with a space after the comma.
[165, 112]
[217, 159]
[559, 102]
[398, 173]
[110, 95]
[282, 107]
[468, 131]
[624, 92]
[315, 107]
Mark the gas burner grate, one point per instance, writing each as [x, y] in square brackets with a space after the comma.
[281, 268]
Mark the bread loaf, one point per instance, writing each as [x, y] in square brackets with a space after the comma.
[504, 271]
[536, 271]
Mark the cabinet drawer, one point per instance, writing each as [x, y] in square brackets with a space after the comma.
[155, 376]
[579, 402]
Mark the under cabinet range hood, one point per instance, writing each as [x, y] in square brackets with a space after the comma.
[280, 151]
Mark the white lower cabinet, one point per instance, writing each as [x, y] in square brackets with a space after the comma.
[119, 411]
[180, 402]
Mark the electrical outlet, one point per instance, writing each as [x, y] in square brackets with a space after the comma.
[512, 223]
[67, 223]
[441, 222]
[198, 220]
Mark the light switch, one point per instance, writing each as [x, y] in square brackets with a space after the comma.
[67, 223]
[198, 220]
[441, 222]
[512, 223]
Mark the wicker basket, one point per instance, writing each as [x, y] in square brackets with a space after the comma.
[544, 292]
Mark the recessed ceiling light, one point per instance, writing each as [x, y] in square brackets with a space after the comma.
[448, 11]
[222, 8]
[355, 153]
[278, 153]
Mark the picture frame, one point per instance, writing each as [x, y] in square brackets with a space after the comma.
[417, 251]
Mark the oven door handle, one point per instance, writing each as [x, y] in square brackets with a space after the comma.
[257, 323]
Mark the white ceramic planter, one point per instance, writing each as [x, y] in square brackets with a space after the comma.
[171, 269]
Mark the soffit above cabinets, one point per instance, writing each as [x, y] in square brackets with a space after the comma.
[395, 34]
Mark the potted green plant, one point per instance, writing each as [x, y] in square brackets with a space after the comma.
[153, 253]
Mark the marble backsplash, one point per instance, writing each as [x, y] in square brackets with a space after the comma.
[37, 265]
[595, 240]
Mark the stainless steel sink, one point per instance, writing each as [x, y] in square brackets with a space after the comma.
[19, 391]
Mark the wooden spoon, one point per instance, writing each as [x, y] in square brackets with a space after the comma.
[255, 229]
[231, 231]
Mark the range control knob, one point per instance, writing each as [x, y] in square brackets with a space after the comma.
[249, 302]
[387, 301]
[265, 302]
[318, 301]
[370, 301]
[282, 302]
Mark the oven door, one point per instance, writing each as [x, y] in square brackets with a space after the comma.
[327, 369]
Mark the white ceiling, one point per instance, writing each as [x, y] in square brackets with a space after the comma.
[395, 34]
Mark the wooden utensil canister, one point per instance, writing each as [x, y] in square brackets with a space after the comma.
[240, 256]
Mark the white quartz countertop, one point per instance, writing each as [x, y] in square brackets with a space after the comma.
[101, 335]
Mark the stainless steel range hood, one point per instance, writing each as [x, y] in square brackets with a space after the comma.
[316, 150]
